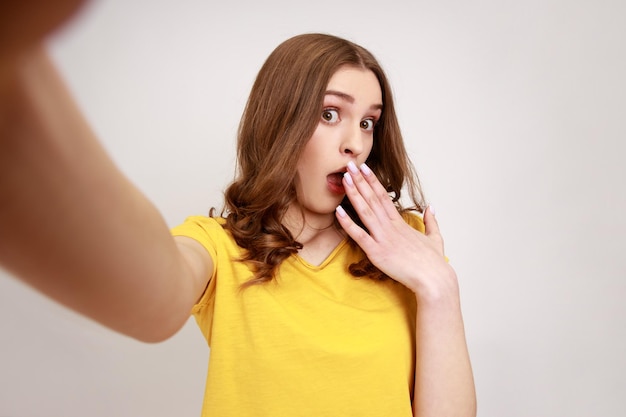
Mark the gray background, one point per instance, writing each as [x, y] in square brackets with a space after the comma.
[514, 116]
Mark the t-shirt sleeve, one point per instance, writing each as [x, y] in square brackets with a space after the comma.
[200, 229]
[417, 223]
[206, 231]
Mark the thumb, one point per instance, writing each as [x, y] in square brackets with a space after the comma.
[431, 227]
[430, 222]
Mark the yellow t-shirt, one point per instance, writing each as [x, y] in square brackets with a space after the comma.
[315, 341]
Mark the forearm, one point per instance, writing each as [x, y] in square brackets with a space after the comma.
[71, 225]
[444, 383]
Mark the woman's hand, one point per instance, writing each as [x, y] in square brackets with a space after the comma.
[24, 24]
[444, 384]
[412, 258]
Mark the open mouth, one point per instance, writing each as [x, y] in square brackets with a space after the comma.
[334, 181]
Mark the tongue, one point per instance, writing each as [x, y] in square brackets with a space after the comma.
[335, 178]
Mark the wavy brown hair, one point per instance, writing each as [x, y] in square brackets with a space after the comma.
[280, 116]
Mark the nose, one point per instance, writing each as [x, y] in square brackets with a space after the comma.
[353, 142]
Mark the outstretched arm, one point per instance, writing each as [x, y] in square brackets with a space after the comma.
[73, 227]
[444, 384]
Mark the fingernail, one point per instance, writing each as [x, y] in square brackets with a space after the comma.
[431, 209]
[352, 167]
[348, 179]
[366, 170]
[341, 211]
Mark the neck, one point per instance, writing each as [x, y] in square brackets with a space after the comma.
[306, 226]
[318, 233]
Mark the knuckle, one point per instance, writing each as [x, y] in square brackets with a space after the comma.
[366, 212]
[382, 194]
[371, 199]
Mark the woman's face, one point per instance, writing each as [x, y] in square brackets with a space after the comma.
[345, 132]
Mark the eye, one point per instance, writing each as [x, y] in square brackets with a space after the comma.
[330, 115]
[367, 124]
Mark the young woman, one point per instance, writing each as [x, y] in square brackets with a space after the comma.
[318, 293]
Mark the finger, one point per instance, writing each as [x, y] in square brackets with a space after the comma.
[432, 226]
[383, 196]
[360, 236]
[366, 188]
[362, 197]
[430, 222]
[373, 193]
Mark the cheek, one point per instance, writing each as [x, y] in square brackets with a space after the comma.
[315, 151]
[368, 149]
[297, 184]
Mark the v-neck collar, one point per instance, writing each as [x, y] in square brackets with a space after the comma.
[326, 261]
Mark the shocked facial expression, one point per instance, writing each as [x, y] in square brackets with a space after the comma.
[345, 132]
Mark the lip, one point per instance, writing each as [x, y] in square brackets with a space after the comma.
[334, 182]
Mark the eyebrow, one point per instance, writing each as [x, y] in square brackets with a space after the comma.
[350, 99]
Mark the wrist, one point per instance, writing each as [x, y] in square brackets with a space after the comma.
[442, 290]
